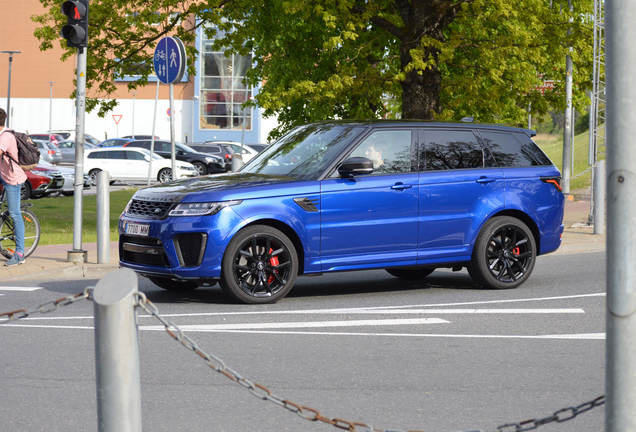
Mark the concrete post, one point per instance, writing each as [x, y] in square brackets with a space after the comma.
[103, 217]
[117, 353]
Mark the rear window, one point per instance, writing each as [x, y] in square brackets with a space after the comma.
[513, 150]
[451, 149]
[95, 155]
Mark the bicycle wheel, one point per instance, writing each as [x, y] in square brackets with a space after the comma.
[31, 233]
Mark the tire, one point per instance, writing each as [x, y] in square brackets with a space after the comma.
[68, 193]
[411, 274]
[504, 254]
[259, 266]
[200, 167]
[174, 286]
[93, 175]
[25, 191]
[165, 175]
[31, 233]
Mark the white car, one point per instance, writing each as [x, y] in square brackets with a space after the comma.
[69, 176]
[131, 164]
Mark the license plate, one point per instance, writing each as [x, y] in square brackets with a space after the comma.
[137, 229]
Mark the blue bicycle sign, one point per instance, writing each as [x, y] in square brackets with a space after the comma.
[170, 60]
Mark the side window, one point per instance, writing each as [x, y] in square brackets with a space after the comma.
[119, 154]
[133, 155]
[451, 149]
[95, 155]
[510, 152]
[214, 149]
[164, 147]
[389, 150]
[532, 149]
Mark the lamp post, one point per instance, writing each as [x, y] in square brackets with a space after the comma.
[51, 110]
[133, 116]
[9, 90]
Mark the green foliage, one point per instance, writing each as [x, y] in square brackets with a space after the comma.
[358, 59]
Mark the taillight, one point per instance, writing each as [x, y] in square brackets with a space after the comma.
[228, 156]
[51, 152]
[554, 181]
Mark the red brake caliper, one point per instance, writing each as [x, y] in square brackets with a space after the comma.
[273, 261]
[516, 251]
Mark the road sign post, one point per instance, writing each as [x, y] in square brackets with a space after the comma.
[170, 62]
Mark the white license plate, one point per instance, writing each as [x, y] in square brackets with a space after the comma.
[137, 229]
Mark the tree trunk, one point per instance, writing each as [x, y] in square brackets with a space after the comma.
[420, 94]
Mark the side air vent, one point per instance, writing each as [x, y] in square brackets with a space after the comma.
[190, 248]
[307, 204]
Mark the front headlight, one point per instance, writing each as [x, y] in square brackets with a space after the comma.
[210, 160]
[46, 173]
[201, 209]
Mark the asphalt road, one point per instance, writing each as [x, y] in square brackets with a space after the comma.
[437, 355]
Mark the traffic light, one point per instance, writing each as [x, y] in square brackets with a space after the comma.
[76, 30]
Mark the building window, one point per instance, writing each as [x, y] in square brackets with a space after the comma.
[223, 91]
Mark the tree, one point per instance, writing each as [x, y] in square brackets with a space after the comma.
[359, 59]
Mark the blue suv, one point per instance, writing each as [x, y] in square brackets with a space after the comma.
[408, 197]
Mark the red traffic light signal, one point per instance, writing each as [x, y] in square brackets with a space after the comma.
[76, 30]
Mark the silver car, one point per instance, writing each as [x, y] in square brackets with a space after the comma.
[68, 149]
[69, 176]
[49, 151]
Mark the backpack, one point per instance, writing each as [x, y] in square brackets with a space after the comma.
[28, 152]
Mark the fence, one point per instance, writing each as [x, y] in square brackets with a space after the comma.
[116, 300]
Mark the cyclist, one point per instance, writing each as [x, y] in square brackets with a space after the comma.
[12, 178]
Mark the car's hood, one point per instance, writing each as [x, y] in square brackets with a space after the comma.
[221, 187]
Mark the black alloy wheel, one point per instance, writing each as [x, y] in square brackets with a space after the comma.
[504, 254]
[260, 265]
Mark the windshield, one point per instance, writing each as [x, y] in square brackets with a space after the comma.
[305, 152]
[185, 148]
[154, 155]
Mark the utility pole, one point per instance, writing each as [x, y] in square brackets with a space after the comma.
[9, 89]
[567, 129]
[51, 110]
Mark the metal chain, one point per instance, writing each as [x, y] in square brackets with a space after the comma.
[579, 175]
[311, 414]
[50, 306]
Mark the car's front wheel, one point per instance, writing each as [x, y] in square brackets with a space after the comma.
[201, 168]
[504, 254]
[25, 191]
[259, 266]
[93, 175]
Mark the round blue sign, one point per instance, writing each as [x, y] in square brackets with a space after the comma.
[170, 60]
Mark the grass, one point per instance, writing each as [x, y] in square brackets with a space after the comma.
[552, 145]
[56, 217]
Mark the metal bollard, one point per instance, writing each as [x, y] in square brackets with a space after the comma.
[103, 217]
[117, 353]
[599, 198]
[237, 162]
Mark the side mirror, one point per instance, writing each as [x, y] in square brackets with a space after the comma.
[355, 166]
[180, 152]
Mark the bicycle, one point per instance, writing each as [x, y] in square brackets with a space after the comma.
[7, 234]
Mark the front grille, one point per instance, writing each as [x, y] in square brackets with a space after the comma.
[142, 250]
[190, 248]
[148, 209]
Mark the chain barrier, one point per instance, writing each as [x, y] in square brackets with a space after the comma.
[580, 174]
[311, 414]
[47, 307]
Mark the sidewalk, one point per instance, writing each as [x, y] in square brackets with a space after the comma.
[51, 261]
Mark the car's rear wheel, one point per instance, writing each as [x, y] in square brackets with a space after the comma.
[259, 266]
[410, 274]
[25, 191]
[165, 175]
[504, 254]
[171, 285]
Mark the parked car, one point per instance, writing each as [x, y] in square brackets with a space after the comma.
[67, 148]
[48, 151]
[54, 138]
[258, 147]
[131, 164]
[407, 197]
[70, 135]
[226, 150]
[44, 179]
[139, 137]
[204, 163]
[113, 142]
[68, 189]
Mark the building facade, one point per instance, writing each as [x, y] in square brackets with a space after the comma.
[207, 105]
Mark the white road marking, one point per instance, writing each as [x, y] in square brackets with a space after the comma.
[310, 324]
[9, 288]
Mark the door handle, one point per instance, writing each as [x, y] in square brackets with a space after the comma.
[401, 186]
[484, 179]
